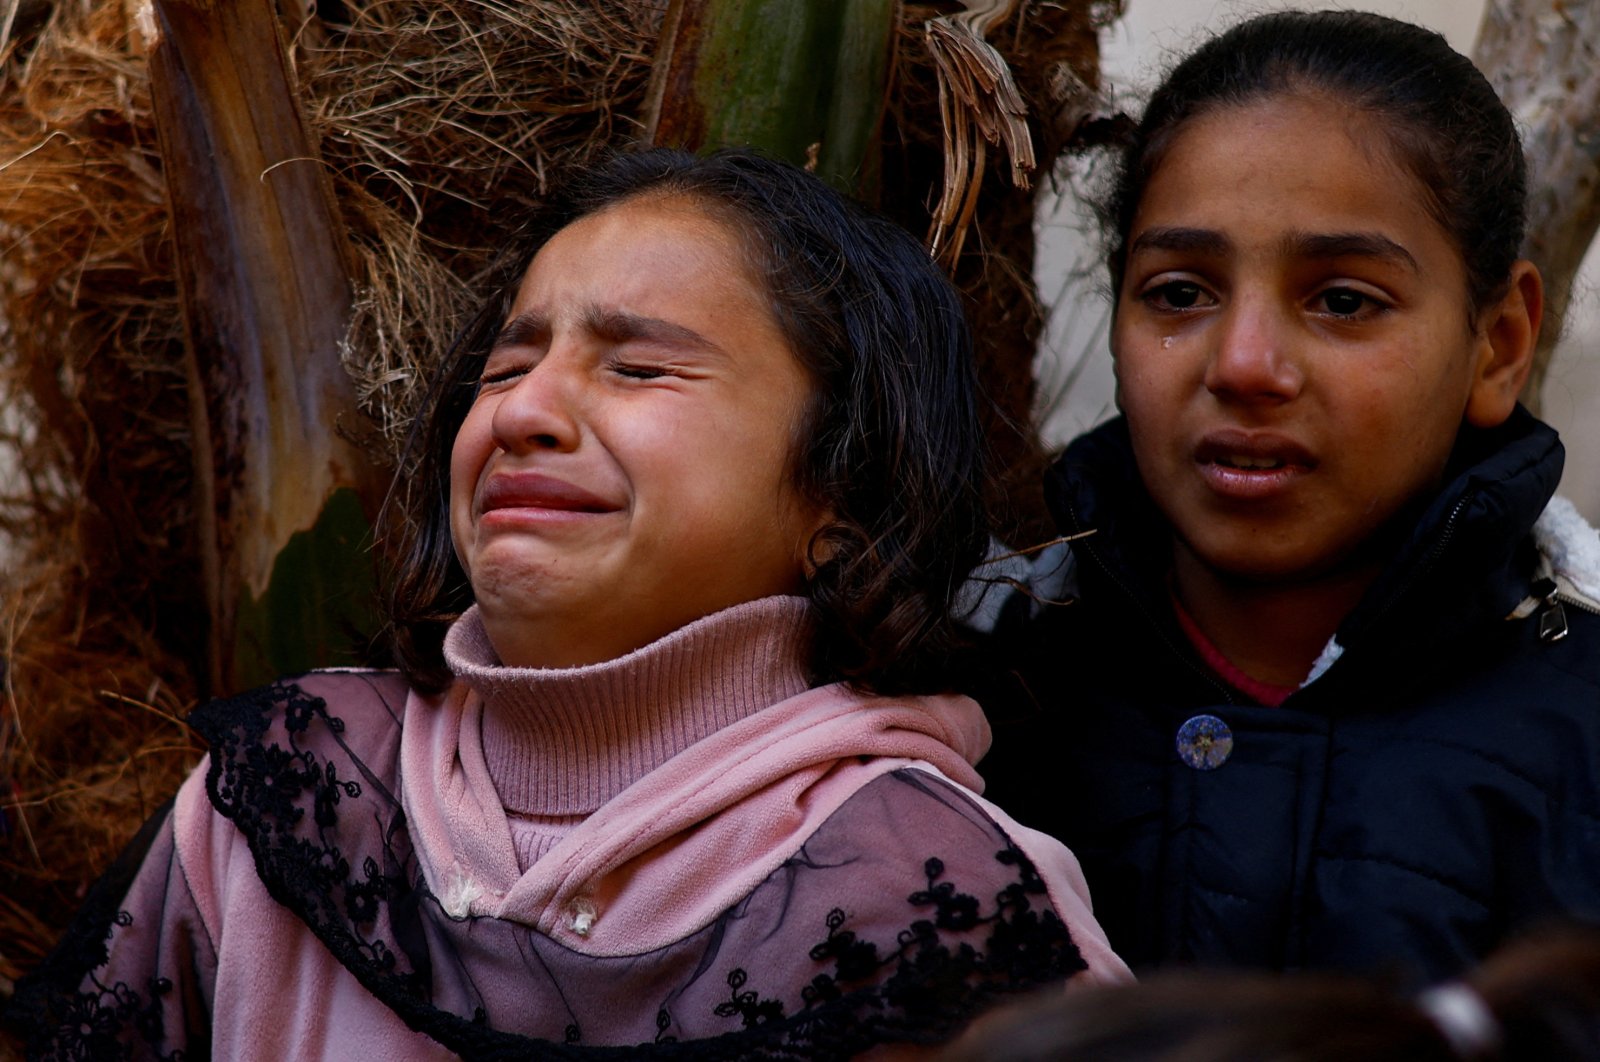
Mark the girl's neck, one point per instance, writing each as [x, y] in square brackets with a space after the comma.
[1272, 631]
[563, 741]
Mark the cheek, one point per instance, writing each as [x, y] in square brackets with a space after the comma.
[739, 488]
[1393, 449]
[1146, 393]
[1130, 365]
[1133, 392]
[467, 458]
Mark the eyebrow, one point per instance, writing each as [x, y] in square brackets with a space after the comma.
[1202, 241]
[619, 326]
[1299, 245]
[523, 330]
[1351, 245]
[615, 326]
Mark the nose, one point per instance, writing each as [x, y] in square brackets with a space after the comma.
[540, 410]
[1255, 356]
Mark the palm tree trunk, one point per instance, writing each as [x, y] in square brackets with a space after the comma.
[266, 300]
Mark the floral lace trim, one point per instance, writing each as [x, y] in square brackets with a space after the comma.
[922, 989]
[66, 1009]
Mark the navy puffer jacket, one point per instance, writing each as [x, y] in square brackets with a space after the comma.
[1433, 791]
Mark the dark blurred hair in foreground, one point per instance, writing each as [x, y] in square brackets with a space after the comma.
[1543, 994]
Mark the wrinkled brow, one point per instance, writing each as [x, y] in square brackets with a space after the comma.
[523, 330]
[618, 326]
[613, 326]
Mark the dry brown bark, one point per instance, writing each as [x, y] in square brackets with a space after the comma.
[1053, 51]
[265, 281]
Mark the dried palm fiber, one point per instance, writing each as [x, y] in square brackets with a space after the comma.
[978, 104]
[1051, 50]
[434, 115]
[428, 112]
[96, 510]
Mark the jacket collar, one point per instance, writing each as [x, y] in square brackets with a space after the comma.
[1469, 553]
[1466, 555]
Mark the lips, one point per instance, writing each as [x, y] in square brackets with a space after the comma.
[1249, 465]
[529, 491]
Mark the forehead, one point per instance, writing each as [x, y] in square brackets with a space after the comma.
[1290, 162]
[642, 239]
[652, 267]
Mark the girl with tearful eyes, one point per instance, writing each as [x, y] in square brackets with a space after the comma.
[668, 763]
[1344, 708]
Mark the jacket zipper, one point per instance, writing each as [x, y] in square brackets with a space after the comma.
[1553, 600]
[1447, 533]
[1551, 597]
[1579, 603]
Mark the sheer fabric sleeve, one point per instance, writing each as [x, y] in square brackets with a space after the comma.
[132, 978]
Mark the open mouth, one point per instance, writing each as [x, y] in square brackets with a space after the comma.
[1249, 463]
[548, 505]
[1252, 451]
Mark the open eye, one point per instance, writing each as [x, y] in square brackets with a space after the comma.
[1347, 302]
[1177, 295]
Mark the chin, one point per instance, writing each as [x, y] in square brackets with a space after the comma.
[1255, 572]
[1256, 563]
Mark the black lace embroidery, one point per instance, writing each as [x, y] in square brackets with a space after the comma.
[95, 1022]
[932, 990]
[751, 1009]
[66, 1010]
[921, 989]
[261, 787]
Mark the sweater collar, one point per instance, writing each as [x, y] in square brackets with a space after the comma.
[563, 741]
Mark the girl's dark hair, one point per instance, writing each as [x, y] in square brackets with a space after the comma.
[1543, 994]
[1443, 119]
[890, 444]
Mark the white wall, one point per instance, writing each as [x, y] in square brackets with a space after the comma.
[1075, 370]
[1155, 29]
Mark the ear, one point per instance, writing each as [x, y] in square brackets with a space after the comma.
[1507, 335]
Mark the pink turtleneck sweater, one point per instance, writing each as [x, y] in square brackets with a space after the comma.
[614, 811]
[557, 744]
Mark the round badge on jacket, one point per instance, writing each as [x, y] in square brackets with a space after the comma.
[1204, 742]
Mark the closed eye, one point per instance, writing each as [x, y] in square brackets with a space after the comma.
[501, 375]
[634, 371]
